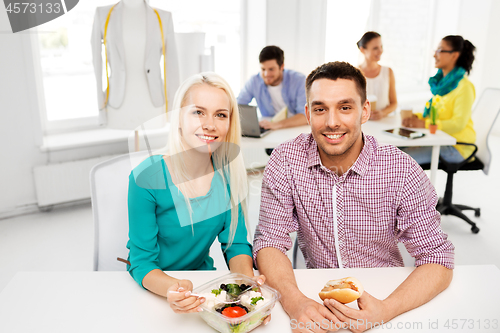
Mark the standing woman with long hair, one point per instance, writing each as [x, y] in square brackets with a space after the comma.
[380, 79]
[453, 96]
[180, 201]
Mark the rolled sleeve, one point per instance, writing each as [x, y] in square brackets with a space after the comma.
[277, 217]
[240, 244]
[419, 223]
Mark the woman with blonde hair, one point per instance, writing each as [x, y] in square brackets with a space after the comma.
[179, 202]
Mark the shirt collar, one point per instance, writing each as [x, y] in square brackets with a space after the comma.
[362, 162]
[312, 153]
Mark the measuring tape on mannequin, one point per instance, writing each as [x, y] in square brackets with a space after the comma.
[162, 50]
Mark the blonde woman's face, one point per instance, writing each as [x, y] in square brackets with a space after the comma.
[373, 50]
[205, 118]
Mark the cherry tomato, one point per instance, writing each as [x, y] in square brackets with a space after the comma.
[234, 312]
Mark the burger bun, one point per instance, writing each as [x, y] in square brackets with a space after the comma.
[344, 290]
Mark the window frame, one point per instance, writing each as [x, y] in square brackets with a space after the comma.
[54, 126]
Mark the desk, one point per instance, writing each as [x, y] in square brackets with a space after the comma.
[97, 302]
[374, 128]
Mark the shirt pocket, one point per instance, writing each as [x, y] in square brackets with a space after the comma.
[369, 213]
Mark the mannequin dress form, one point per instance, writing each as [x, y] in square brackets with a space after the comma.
[136, 107]
[134, 46]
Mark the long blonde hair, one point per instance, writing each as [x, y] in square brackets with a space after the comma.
[227, 159]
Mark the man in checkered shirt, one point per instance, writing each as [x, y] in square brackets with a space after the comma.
[351, 201]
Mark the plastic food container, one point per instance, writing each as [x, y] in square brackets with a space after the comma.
[263, 297]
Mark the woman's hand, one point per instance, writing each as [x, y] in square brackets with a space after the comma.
[413, 122]
[261, 279]
[376, 115]
[178, 295]
[243, 264]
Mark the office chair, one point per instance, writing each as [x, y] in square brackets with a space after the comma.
[484, 116]
[109, 191]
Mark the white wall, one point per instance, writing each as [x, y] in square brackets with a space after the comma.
[253, 38]
[473, 25]
[18, 118]
[296, 26]
[491, 49]
[479, 24]
[299, 28]
[341, 42]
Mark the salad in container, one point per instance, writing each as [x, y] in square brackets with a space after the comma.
[235, 303]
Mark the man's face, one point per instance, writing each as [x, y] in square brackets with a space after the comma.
[335, 113]
[272, 74]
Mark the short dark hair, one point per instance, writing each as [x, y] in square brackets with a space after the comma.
[338, 70]
[466, 49]
[272, 52]
[367, 37]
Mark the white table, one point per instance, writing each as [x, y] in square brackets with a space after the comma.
[97, 302]
[374, 128]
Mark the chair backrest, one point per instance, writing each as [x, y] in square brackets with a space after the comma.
[109, 191]
[484, 116]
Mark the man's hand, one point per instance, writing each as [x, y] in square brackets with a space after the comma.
[307, 315]
[408, 295]
[269, 125]
[372, 313]
[413, 122]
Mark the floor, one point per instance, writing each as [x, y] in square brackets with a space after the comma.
[62, 240]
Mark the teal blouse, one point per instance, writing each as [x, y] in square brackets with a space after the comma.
[161, 235]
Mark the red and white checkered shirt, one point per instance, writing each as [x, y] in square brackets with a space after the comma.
[384, 198]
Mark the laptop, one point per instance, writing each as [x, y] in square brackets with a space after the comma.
[250, 122]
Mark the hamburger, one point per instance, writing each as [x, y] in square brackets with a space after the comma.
[344, 290]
